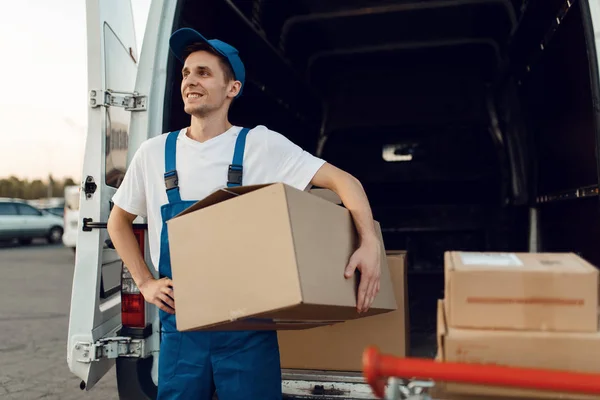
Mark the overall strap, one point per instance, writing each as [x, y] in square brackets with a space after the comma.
[236, 169]
[171, 179]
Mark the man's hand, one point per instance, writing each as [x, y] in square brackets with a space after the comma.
[160, 293]
[367, 260]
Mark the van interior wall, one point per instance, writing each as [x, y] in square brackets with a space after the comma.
[557, 98]
[420, 101]
[446, 188]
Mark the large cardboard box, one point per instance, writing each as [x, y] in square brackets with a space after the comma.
[339, 347]
[523, 291]
[266, 257]
[566, 351]
[326, 194]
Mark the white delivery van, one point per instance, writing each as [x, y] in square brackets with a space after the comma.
[71, 216]
[472, 124]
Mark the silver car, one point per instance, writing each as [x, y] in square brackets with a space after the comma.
[23, 222]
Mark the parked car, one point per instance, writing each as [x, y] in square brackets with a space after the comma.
[473, 125]
[58, 211]
[24, 222]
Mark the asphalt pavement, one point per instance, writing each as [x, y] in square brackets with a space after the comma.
[35, 294]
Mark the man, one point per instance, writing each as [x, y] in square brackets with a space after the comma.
[170, 172]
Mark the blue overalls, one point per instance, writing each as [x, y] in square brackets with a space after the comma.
[240, 364]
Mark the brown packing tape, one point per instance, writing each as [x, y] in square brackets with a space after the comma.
[529, 290]
[529, 287]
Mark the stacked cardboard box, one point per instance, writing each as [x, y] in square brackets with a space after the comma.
[519, 309]
[340, 347]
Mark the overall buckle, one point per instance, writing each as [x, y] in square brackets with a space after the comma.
[171, 180]
[234, 174]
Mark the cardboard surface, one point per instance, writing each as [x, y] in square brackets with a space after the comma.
[327, 195]
[523, 291]
[266, 257]
[339, 347]
[565, 351]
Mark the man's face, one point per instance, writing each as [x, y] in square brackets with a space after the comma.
[203, 86]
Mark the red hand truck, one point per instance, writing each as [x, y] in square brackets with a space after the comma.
[377, 368]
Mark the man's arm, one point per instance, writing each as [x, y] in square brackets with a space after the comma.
[158, 292]
[368, 256]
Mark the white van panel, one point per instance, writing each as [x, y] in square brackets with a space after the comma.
[111, 62]
[595, 14]
[151, 81]
[152, 73]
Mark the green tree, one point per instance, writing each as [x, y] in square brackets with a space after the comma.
[37, 190]
[15, 187]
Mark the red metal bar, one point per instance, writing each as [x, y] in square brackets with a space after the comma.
[377, 367]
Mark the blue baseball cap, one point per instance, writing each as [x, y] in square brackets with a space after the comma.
[184, 37]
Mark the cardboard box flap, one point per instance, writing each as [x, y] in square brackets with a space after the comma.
[221, 195]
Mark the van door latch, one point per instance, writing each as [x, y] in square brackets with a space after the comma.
[130, 101]
[89, 187]
[113, 347]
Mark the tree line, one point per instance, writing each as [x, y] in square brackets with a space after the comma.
[33, 189]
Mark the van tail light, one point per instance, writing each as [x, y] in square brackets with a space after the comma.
[133, 310]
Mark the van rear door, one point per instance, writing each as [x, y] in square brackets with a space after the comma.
[95, 315]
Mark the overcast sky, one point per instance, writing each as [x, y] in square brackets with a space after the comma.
[43, 88]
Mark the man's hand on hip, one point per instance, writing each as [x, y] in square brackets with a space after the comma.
[160, 293]
[367, 260]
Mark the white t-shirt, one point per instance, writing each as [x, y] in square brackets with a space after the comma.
[202, 168]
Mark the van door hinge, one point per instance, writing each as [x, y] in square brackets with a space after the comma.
[131, 101]
[114, 347]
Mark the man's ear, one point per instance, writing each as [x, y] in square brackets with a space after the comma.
[234, 89]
